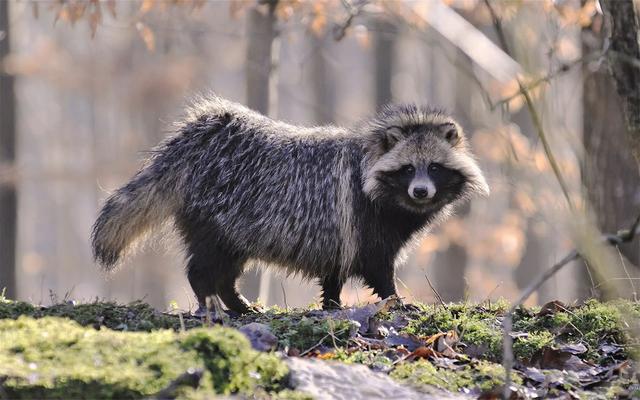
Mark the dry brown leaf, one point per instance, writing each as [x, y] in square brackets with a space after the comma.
[146, 6]
[433, 338]
[361, 33]
[94, 20]
[76, 11]
[421, 352]
[446, 342]
[326, 356]
[318, 24]
[552, 307]
[237, 7]
[111, 6]
[147, 36]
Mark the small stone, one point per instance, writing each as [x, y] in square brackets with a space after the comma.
[260, 336]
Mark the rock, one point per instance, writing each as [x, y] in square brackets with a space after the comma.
[332, 380]
[260, 336]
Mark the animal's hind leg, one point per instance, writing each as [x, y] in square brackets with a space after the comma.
[213, 270]
[226, 287]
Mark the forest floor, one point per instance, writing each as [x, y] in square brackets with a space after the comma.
[382, 350]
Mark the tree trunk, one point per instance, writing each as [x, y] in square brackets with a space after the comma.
[450, 266]
[261, 34]
[323, 83]
[8, 200]
[384, 43]
[609, 171]
[624, 63]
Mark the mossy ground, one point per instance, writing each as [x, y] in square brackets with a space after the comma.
[106, 350]
[54, 357]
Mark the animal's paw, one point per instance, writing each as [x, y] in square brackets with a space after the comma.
[203, 312]
[250, 309]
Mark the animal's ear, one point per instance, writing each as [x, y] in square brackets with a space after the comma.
[450, 132]
[390, 137]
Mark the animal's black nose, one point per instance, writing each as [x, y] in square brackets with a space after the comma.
[420, 192]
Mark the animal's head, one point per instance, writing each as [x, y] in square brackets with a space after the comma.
[418, 159]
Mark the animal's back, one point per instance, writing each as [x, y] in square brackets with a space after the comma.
[270, 189]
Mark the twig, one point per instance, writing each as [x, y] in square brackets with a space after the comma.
[340, 30]
[562, 69]
[330, 334]
[435, 292]
[535, 117]
[488, 297]
[413, 298]
[634, 292]
[614, 280]
[623, 236]
[284, 297]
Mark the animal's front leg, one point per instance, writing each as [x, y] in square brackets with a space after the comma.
[331, 288]
[381, 278]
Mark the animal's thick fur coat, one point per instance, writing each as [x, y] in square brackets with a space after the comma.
[326, 202]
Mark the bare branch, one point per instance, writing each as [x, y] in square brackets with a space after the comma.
[340, 30]
[535, 116]
[435, 292]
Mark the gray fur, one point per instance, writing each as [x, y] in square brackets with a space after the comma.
[309, 200]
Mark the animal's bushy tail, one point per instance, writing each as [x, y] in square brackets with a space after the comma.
[133, 210]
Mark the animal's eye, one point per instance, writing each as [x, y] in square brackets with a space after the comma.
[451, 135]
[434, 167]
[408, 169]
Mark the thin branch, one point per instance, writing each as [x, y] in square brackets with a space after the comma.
[435, 292]
[622, 236]
[535, 116]
[562, 69]
[284, 297]
[340, 30]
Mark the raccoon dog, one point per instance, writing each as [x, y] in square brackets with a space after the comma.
[326, 202]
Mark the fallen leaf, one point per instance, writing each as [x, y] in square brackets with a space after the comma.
[550, 358]
[577, 348]
[326, 356]
[421, 352]
[552, 307]
[147, 36]
[447, 341]
[146, 6]
[407, 340]
[293, 352]
[534, 374]
[365, 316]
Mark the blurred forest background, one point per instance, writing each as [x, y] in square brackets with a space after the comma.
[87, 87]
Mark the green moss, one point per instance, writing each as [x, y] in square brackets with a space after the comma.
[14, 309]
[56, 358]
[524, 348]
[305, 332]
[477, 326]
[376, 359]
[232, 365]
[136, 316]
[592, 323]
[483, 375]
